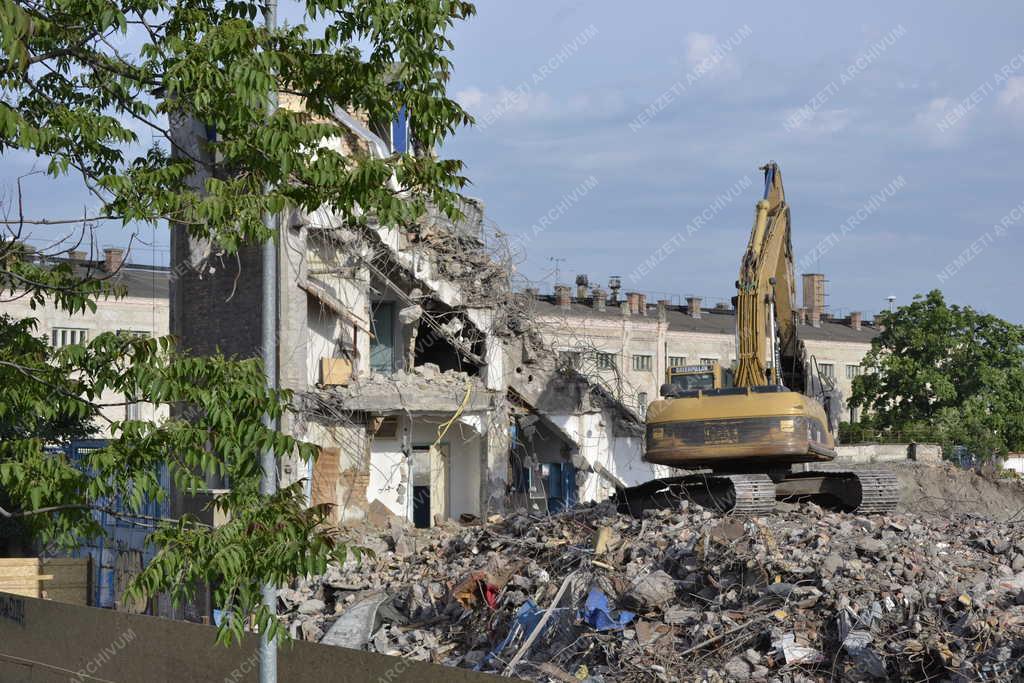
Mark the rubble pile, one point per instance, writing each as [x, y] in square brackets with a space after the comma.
[685, 594]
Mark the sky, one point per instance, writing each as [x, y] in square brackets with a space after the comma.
[637, 132]
[625, 140]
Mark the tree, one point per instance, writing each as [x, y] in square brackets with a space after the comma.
[946, 373]
[20, 417]
[81, 83]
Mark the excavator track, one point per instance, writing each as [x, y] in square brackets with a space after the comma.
[753, 494]
[873, 491]
[741, 494]
[878, 490]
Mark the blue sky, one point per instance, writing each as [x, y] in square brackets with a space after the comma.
[746, 83]
[621, 124]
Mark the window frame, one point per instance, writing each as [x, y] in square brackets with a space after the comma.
[69, 336]
[643, 362]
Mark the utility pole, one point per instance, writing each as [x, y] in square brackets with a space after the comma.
[268, 483]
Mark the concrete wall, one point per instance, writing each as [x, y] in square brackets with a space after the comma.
[598, 445]
[840, 355]
[43, 641]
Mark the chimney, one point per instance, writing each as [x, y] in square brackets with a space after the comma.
[599, 299]
[814, 297]
[801, 316]
[614, 285]
[855, 320]
[582, 285]
[662, 310]
[562, 297]
[878, 321]
[633, 302]
[76, 255]
[113, 257]
[693, 306]
[641, 304]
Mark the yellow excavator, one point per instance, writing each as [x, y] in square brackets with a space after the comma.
[769, 435]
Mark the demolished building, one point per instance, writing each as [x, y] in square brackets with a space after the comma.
[415, 367]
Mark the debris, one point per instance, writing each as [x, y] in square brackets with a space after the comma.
[356, 625]
[652, 590]
[683, 594]
[599, 616]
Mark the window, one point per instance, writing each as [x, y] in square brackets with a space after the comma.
[605, 361]
[708, 362]
[641, 400]
[852, 371]
[142, 334]
[569, 359]
[827, 370]
[641, 362]
[132, 410]
[63, 336]
[382, 345]
[676, 361]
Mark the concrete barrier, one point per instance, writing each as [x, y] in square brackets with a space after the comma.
[41, 640]
[866, 453]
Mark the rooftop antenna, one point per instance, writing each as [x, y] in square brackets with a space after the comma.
[556, 260]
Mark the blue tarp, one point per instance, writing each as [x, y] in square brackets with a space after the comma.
[597, 614]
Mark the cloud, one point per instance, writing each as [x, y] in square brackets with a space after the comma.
[940, 124]
[521, 103]
[524, 104]
[817, 123]
[705, 52]
[1011, 98]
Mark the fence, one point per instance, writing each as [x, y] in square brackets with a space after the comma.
[42, 640]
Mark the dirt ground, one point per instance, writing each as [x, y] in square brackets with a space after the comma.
[944, 489]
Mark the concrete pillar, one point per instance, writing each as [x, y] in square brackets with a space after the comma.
[599, 299]
[494, 461]
[662, 310]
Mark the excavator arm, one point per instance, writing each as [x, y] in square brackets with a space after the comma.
[767, 347]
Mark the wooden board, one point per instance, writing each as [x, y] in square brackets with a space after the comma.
[324, 487]
[21, 576]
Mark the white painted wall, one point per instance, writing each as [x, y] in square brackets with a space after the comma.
[389, 476]
[620, 455]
